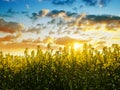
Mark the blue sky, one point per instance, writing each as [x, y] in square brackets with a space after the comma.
[27, 23]
[11, 9]
[112, 6]
[78, 6]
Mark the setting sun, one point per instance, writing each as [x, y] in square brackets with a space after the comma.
[77, 46]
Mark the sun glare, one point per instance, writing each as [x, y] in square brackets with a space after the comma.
[76, 46]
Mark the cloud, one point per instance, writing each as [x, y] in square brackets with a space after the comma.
[102, 17]
[79, 18]
[68, 40]
[96, 22]
[34, 16]
[36, 30]
[64, 40]
[31, 41]
[20, 47]
[100, 3]
[61, 13]
[37, 41]
[63, 2]
[43, 12]
[10, 38]
[103, 3]
[6, 15]
[51, 32]
[26, 43]
[17, 46]
[48, 39]
[65, 21]
[65, 15]
[10, 27]
[90, 2]
[76, 32]
[53, 14]
[24, 12]
[12, 12]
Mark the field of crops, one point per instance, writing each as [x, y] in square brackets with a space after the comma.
[67, 69]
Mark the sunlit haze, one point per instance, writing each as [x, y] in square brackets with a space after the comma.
[77, 46]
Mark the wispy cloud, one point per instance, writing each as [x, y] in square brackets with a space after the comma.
[80, 21]
[35, 30]
[10, 38]
[100, 3]
[53, 14]
[51, 32]
[31, 41]
[43, 12]
[11, 11]
[10, 27]
[48, 39]
[63, 2]
[94, 22]
[68, 40]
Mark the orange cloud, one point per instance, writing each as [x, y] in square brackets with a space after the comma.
[48, 39]
[68, 40]
[32, 41]
[27, 43]
[10, 27]
[37, 41]
[9, 38]
[16, 45]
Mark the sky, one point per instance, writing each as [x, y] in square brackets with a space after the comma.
[29, 23]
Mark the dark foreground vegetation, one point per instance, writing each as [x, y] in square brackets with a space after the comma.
[87, 69]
